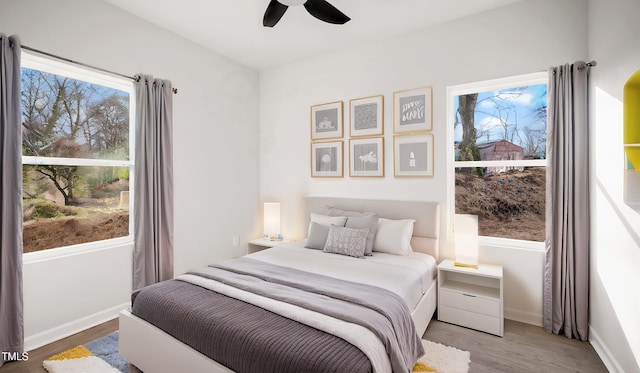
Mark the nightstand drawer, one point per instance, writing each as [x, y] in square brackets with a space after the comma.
[470, 319]
[469, 302]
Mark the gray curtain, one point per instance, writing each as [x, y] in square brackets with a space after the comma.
[566, 277]
[11, 303]
[153, 185]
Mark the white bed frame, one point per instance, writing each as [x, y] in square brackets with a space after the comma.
[153, 351]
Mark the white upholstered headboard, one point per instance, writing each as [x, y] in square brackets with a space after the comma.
[426, 229]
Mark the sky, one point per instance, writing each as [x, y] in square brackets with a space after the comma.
[514, 108]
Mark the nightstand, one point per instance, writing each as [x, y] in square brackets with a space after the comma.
[263, 243]
[471, 297]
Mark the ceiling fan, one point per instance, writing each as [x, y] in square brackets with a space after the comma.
[320, 9]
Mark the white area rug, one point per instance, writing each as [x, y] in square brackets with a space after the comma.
[444, 359]
[86, 364]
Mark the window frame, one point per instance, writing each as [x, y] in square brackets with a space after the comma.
[36, 61]
[483, 86]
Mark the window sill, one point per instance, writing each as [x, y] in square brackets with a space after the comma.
[80, 249]
[511, 243]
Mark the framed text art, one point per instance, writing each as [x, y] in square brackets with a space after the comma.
[413, 155]
[326, 159]
[326, 121]
[412, 110]
[367, 116]
[366, 157]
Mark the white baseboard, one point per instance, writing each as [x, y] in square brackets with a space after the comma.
[32, 342]
[603, 352]
[522, 316]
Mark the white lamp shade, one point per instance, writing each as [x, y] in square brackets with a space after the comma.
[271, 219]
[466, 240]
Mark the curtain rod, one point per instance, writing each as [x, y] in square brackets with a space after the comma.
[175, 90]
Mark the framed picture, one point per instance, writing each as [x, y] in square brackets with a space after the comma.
[412, 110]
[366, 157]
[367, 116]
[413, 155]
[326, 159]
[326, 121]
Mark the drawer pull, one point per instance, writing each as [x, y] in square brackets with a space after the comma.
[468, 295]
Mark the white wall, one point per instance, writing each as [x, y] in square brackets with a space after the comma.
[66, 294]
[216, 164]
[519, 39]
[615, 278]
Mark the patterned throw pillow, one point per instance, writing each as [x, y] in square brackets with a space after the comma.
[357, 219]
[346, 241]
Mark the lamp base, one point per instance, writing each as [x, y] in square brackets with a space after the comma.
[459, 264]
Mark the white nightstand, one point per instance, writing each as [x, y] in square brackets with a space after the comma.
[263, 243]
[471, 297]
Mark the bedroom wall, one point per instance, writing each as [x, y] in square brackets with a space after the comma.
[519, 39]
[215, 118]
[615, 327]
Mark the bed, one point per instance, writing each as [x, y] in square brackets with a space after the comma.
[151, 346]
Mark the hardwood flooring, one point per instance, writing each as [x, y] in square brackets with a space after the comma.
[524, 348]
[37, 356]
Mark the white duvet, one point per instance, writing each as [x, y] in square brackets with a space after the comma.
[408, 276]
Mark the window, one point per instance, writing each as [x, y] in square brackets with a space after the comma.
[497, 132]
[77, 157]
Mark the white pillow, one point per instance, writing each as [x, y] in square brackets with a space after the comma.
[394, 236]
[327, 221]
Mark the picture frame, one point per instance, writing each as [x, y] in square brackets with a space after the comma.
[366, 157]
[326, 159]
[326, 121]
[413, 155]
[412, 110]
[366, 116]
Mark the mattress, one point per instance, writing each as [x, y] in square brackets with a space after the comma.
[407, 276]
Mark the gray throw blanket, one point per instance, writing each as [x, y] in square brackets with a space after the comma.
[377, 309]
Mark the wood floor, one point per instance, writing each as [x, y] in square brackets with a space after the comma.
[523, 349]
[37, 356]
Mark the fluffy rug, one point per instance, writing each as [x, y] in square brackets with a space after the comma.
[98, 356]
[442, 359]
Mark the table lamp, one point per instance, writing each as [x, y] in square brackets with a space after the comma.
[465, 230]
[272, 220]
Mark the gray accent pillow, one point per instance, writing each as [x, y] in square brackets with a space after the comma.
[327, 220]
[317, 236]
[357, 219]
[369, 222]
[346, 241]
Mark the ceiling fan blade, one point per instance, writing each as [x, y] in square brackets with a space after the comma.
[324, 11]
[274, 12]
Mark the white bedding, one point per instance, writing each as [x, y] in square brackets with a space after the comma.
[408, 276]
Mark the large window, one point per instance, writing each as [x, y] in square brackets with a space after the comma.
[498, 147]
[76, 155]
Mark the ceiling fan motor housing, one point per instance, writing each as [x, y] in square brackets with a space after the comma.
[292, 2]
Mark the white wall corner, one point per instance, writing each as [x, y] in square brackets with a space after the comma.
[608, 359]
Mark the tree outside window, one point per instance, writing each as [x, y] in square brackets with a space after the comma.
[499, 150]
[76, 160]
